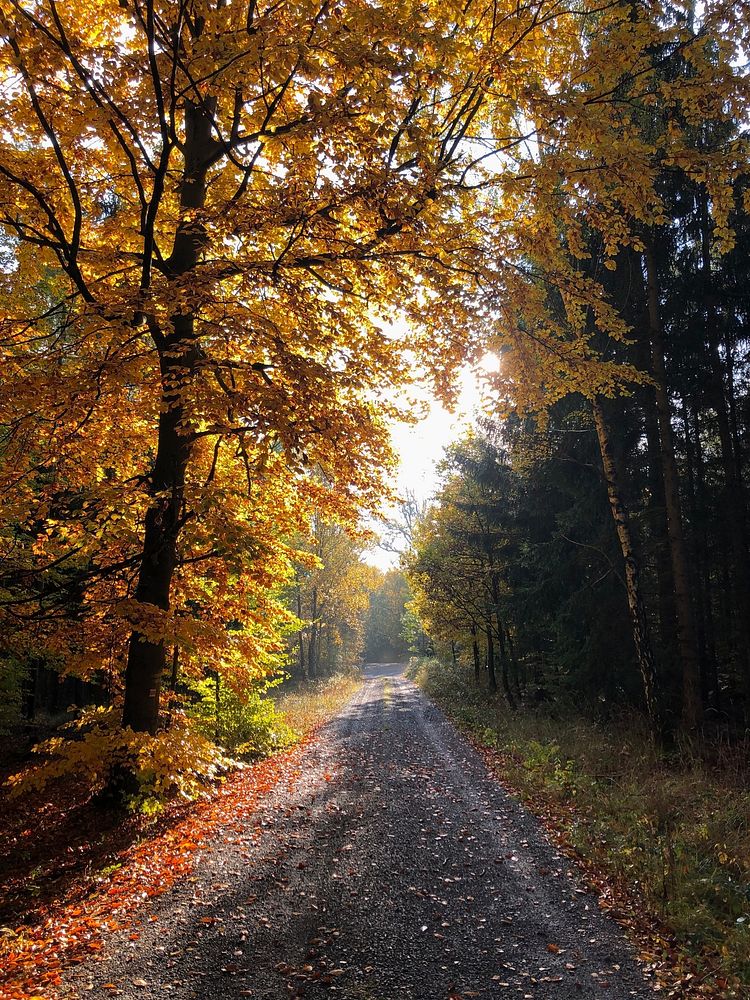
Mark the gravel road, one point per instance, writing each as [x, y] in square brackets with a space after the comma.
[397, 867]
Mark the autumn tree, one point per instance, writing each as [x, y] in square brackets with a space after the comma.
[331, 596]
[459, 564]
[590, 220]
[207, 207]
[388, 600]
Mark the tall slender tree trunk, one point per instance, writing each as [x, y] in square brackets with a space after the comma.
[515, 672]
[174, 674]
[300, 637]
[658, 532]
[670, 674]
[312, 645]
[475, 654]
[495, 593]
[179, 354]
[504, 673]
[722, 399]
[703, 549]
[709, 687]
[692, 706]
[491, 676]
[638, 616]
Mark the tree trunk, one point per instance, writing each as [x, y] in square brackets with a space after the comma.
[475, 654]
[703, 547]
[638, 616]
[179, 353]
[504, 662]
[491, 677]
[658, 530]
[312, 646]
[495, 594]
[515, 674]
[300, 637]
[217, 699]
[692, 707]
[709, 689]
[174, 674]
[722, 400]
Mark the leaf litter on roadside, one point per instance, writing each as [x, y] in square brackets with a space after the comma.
[32, 958]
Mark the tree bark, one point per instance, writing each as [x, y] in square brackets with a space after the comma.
[703, 548]
[692, 706]
[312, 646]
[504, 675]
[475, 654]
[491, 676]
[658, 530]
[709, 685]
[515, 675]
[722, 399]
[179, 354]
[638, 616]
[300, 637]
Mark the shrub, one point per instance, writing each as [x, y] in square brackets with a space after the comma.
[178, 761]
[12, 676]
[248, 724]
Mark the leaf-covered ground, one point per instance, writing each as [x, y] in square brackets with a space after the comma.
[73, 871]
[34, 954]
[379, 860]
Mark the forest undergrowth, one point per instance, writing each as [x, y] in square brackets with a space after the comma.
[665, 839]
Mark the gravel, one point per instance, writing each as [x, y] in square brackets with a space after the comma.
[396, 866]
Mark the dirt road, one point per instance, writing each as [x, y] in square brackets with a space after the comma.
[396, 868]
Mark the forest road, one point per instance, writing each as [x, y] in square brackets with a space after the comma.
[396, 867]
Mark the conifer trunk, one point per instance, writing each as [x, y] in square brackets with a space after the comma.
[504, 676]
[703, 559]
[516, 675]
[495, 592]
[638, 617]
[658, 530]
[692, 706]
[722, 399]
[702, 607]
[179, 354]
[491, 676]
[475, 654]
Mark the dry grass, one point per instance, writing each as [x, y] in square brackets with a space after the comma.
[307, 706]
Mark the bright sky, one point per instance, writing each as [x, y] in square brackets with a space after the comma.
[420, 446]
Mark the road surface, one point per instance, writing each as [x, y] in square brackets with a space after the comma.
[397, 867]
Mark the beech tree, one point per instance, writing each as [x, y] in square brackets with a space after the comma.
[330, 597]
[207, 208]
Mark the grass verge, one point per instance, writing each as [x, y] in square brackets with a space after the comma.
[667, 841]
[307, 706]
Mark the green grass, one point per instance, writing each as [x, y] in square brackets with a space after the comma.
[675, 831]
